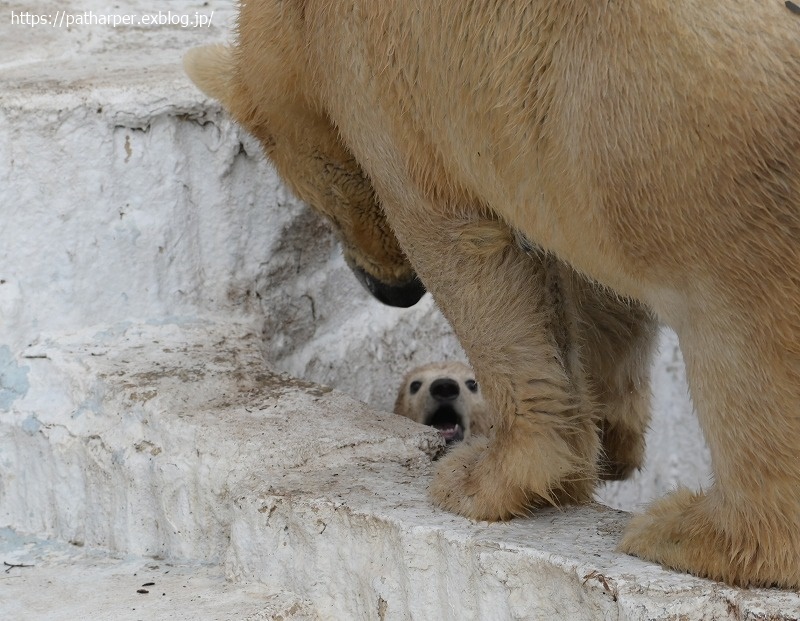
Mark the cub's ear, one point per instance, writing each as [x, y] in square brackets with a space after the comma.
[211, 69]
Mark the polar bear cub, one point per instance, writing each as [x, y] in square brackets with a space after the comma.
[446, 396]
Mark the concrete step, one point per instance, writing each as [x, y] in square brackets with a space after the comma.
[57, 581]
[176, 442]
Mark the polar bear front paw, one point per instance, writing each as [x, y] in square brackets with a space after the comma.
[698, 534]
[466, 481]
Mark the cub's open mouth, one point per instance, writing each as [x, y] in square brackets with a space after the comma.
[449, 423]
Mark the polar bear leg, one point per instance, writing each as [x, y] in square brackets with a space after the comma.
[745, 529]
[511, 314]
[617, 338]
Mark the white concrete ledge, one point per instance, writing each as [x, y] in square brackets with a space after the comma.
[175, 441]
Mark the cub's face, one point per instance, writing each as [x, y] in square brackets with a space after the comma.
[446, 396]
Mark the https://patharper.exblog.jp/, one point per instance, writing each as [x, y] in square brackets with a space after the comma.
[73, 19]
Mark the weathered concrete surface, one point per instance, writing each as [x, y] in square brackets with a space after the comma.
[177, 442]
[63, 582]
[136, 438]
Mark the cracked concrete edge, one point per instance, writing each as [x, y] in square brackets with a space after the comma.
[176, 441]
[135, 445]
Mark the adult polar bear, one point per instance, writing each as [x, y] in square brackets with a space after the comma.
[653, 146]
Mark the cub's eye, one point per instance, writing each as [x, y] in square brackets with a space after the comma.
[414, 387]
[472, 385]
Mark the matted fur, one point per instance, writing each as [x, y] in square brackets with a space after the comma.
[653, 146]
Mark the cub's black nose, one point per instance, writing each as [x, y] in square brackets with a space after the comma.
[444, 389]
